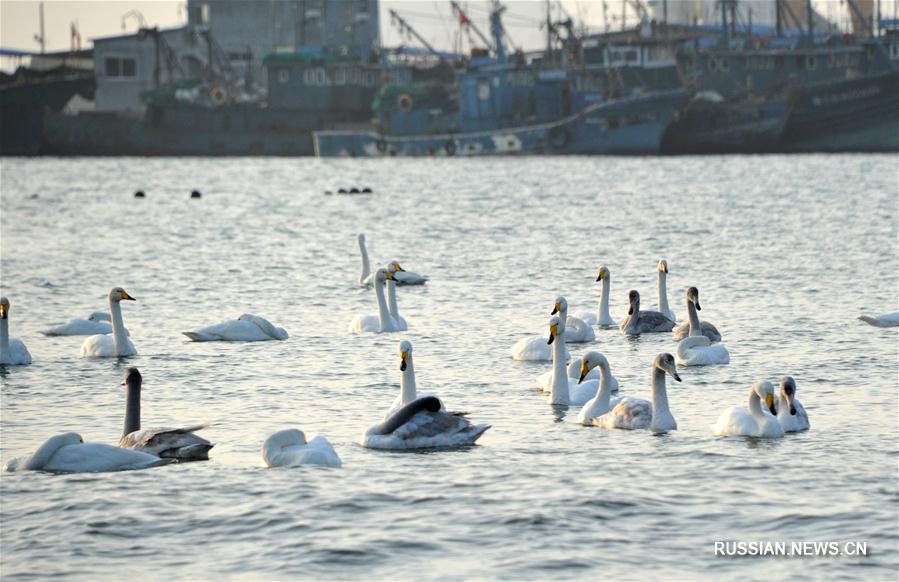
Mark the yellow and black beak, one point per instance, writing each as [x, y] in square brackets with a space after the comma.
[555, 310]
[2, 311]
[600, 276]
[125, 295]
[398, 267]
[390, 276]
[404, 357]
[584, 371]
[769, 402]
[553, 331]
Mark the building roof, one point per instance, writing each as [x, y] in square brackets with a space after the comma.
[102, 39]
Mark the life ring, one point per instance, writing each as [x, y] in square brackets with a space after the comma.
[218, 96]
[381, 144]
[558, 137]
[450, 147]
[404, 102]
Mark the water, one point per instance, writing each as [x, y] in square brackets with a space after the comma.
[786, 252]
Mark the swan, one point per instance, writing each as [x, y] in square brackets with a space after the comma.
[601, 316]
[789, 411]
[116, 344]
[96, 323]
[535, 348]
[754, 422]
[687, 328]
[576, 330]
[167, 443]
[882, 320]
[408, 391]
[602, 402]
[545, 380]
[12, 350]
[638, 322]
[663, 291]
[565, 391]
[391, 298]
[246, 328]
[381, 321]
[289, 447]
[423, 423]
[68, 453]
[635, 413]
[403, 277]
[698, 350]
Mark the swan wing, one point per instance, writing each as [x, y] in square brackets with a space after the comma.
[235, 330]
[409, 278]
[169, 443]
[581, 393]
[882, 320]
[735, 421]
[423, 423]
[699, 351]
[264, 325]
[653, 321]
[793, 422]
[18, 354]
[629, 413]
[588, 317]
[534, 349]
[98, 346]
[95, 457]
[365, 323]
[577, 331]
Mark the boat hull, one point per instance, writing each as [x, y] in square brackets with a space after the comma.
[631, 126]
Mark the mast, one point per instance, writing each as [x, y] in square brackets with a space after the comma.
[42, 37]
[458, 9]
[811, 20]
[404, 26]
[496, 28]
[724, 21]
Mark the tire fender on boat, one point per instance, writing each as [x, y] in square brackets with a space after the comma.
[404, 102]
[450, 147]
[381, 145]
[558, 137]
[217, 95]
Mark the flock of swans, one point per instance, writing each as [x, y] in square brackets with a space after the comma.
[416, 419]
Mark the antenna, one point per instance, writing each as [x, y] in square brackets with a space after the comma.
[41, 38]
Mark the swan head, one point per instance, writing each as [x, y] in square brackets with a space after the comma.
[132, 377]
[4, 307]
[592, 360]
[384, 275]
[360, 238]
[633, 299]
[788, 391]
[663, 266]
[603, 273]
[693, 297]
[405, 351]
[118, 294]
[765, 391]
[560, 305]
[394, 266]
[555, 328]
[98, 316]
[665, 362]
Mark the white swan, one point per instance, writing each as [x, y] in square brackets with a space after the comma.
[688, 327]
[68, 453]
[601, 316]
[391, 298]
[381, 321]
[167, 443]
[535, 348]
[697, 349]
[403, 277]
[96, 323]
[408, 391]
[423, 424]
[789, 411]
[663, 291]
[289, 448]
[246, 328]
[116, 344]
[576, 330]
[882, 320]
[754, 422]
[635, 413]
[638, 322]
[12, 350]
[545, 380]
[602, 402]
[565, 391]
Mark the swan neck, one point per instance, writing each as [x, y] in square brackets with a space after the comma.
[559, 392]
[132, 409]
[408, 392]
[663, 292]
[4, 335]
[659, 394]
[604, 300]
[391, 300]
[366, 267]
[118, 326]
[384, 317]
[755, 405]
[695, 327]
[605, 386]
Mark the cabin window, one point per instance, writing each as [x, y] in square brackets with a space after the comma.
[120, 67]
[811, 62]
[283, 76]
[483, 91]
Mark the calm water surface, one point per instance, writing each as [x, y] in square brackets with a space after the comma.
[786, 251]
